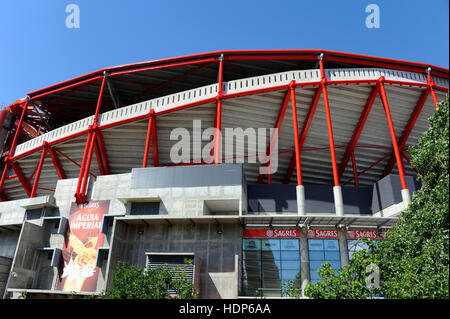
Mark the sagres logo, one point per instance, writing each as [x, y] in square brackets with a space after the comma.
[236, 145]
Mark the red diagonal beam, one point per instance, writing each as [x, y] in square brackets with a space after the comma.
[431, 86]
[98, 157]
[304, 132]
[368, 168]
[38, 173]
[56, 161]
[155, 144]
[148, 138]
[409, 161]
[72, 161]
[408, 128]
[22, 179]
[102, 153]
[387, 111]
[358, 130]
[278, 123]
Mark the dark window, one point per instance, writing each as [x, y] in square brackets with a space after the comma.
[144, 208]
[268, 264]
[33, 214]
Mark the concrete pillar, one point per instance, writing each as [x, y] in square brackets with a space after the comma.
[304, 257]
[338, 201]
[300, 200]
[343, 246]
[406, 197]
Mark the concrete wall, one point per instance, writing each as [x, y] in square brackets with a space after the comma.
[216, 252]
[5, 267]
[27, 258]
[387, 191]
[185, 192]
[11, 212]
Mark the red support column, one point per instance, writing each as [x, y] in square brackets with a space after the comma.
[98, 157]
[38, 172]
[398, 158]
[337, 191]
[80, 194]
[148, 138]
[83, 164]
[8, 161]
[155, 143]
[304, 132]
[408, 129]
[358, 130]
[218, 127]
[87, 168]
[102, 150]
[278, 124]
[329, 126]
[431, 86]
[18, 129]
[296, 136]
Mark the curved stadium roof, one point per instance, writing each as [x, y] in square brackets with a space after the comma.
[254, 84]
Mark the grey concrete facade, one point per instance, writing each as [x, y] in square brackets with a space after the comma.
[190, 213]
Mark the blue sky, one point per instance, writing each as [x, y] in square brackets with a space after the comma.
[38, 50]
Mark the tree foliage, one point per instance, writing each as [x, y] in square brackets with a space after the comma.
[414, 259]
[132, 282]
[349, 282]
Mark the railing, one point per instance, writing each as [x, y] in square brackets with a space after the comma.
[231, 87]
[56, 134]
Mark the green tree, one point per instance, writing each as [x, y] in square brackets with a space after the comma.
[132, 282]
[414, 258]
[349, 282]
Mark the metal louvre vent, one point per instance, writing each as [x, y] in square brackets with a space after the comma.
[176, 263]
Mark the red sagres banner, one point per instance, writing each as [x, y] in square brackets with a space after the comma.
[271, 233]
[83, 238]
[371, 234]
[323, 233]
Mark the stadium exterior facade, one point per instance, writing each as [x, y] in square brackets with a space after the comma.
[88, 178]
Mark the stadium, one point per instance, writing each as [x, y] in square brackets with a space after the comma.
[88, 169]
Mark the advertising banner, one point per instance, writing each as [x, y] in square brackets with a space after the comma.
[83, 238]
[323, 233]
[271, 233]
[370, 234]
